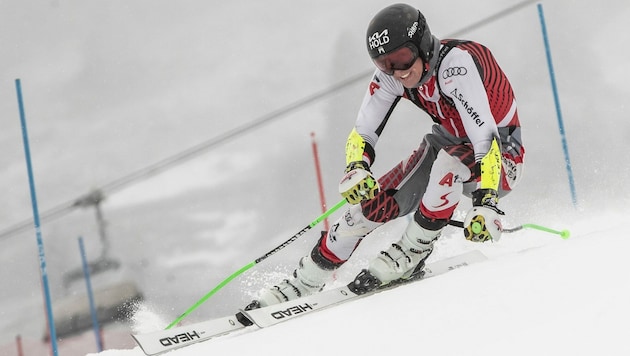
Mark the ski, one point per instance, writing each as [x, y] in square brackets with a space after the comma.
[170, 339]
[274, 314]
[167, 340]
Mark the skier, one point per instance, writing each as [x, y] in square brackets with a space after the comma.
[474, 149]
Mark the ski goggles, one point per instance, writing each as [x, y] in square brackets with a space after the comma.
[400, 59]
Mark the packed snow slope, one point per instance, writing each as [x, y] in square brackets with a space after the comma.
[557, 297]
[111, 87]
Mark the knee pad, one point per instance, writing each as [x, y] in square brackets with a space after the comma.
[445, 186]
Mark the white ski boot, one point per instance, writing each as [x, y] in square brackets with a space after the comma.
[307, 279]
[403, 260]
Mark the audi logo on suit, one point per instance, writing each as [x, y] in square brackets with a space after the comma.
[453, 71]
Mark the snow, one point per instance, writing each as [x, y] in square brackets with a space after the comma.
[111, 87]
[563, 297]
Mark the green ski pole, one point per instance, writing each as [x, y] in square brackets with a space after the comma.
[255, 262]
[563, 233]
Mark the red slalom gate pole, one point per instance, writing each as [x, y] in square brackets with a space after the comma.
[318, 171]
[18, 341]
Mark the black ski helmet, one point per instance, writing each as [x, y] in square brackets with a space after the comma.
[398, 25]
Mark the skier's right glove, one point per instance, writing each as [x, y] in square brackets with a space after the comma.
[358, 184]
[482, 222]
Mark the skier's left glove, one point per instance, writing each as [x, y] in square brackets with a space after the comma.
[358, 184]
[482, 222]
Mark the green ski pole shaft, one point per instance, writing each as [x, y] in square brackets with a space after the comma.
[563, 233]
[256, 261]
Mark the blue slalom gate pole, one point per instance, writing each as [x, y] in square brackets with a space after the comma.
[557, 102]
[38, 232]
[88, 284]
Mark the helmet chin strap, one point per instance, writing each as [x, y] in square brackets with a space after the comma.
[428, 69]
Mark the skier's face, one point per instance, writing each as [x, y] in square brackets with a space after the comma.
[410, 78]
[403, 64]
